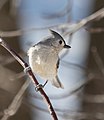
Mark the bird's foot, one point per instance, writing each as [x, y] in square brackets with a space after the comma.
[45, 83]
[27, 69]
[39, 86]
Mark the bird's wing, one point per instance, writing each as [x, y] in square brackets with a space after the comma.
[58, 62]
[30, 50]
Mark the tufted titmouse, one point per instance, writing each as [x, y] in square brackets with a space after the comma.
[44, 59]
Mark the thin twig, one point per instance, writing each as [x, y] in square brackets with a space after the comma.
[95, 30]
[32, 77]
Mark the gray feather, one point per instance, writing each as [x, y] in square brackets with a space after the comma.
[56, 82]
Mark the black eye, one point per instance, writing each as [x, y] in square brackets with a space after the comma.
[60, 42]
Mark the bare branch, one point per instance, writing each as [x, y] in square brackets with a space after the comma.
[13, 107]
[95, 30]
[75, 27]
[11, 110]
[32, 77]
[71, 28]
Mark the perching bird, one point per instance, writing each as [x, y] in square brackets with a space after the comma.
[44, 58]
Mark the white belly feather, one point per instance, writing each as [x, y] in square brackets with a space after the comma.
[44, 64]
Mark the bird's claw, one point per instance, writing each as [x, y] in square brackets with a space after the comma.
[27, 69]
[39, 86]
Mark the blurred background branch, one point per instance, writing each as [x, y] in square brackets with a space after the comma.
[71, 28]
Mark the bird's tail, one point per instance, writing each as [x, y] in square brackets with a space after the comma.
[56, 82]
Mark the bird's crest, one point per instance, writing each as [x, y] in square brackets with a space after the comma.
[56, 35]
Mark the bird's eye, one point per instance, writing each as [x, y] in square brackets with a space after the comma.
[60, 42]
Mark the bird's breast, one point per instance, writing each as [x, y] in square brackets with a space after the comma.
[44, 64]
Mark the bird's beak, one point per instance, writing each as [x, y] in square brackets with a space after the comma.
[67, 46]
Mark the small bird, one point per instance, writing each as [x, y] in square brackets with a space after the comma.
[44, 58]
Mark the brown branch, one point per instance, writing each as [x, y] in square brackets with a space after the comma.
[32, 77]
